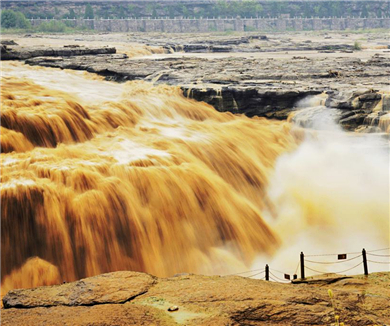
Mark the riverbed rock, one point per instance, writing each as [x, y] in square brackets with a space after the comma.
[8, 42]
[254, 87]
[266, 85]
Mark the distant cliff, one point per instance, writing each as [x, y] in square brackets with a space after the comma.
[224, 24]
[198, 8]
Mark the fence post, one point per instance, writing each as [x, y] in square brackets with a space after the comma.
[365, 262]
[267, 272]
[302, 265]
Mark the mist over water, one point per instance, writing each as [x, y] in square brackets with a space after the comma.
[98, 177]
[331, 195]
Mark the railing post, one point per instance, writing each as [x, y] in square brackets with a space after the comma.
[365, 262]
[302, 265]
[267, 272]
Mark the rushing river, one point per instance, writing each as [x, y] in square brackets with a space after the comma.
[99, 177]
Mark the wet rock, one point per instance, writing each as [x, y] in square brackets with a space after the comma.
[8, 42]
[378, 60]
[340, 100]
[23, 53]
[250, 101]
[3, 49]
[220, 48]
[254, 85]
[353, 121]
[386, 103]
[199, 48]
[194, 48]
[368, 101]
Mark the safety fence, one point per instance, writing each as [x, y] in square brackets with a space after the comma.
[313, 264]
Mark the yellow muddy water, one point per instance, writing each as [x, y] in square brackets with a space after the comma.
[99, 177]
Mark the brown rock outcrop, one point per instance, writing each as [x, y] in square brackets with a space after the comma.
[129, 298]
[117, 287]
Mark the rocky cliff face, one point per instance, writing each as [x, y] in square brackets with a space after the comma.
[130, 298]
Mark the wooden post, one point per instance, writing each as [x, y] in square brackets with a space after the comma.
[267, 272]
[365, 262]
[302, 265]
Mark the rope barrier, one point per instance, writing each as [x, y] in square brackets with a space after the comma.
[251, 271]
[296, 270]
[333, 272]
[379, 250]
[256, 274]
[272, 279]
[261, 271]
[378, 255]
[336, 262]
[379, 262]
[320, 255]
[275, 270]
[347, 253]
[278, 278]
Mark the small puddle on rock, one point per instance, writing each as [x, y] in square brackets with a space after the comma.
[181, 316]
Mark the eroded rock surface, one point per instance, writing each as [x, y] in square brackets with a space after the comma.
[127, 298]
[108, 288]
[248, 42]
[253, 86]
